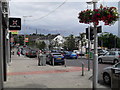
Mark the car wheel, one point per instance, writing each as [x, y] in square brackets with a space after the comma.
[100, 60]
[106, 78]
[115, 61]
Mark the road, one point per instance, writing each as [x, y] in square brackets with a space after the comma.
[78, 62]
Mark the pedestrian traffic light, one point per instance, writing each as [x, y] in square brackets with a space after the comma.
[91, 33]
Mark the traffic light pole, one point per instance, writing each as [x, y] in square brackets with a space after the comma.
[88, 48]
[95, 61]
[24, 33]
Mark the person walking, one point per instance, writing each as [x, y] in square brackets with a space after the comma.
[18, 53]
[40, 58]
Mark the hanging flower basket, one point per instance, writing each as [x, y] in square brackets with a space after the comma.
[108, 15]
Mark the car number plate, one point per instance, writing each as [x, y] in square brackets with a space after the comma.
[59, 58]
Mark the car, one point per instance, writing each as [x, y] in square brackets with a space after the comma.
[111, 56]
[102, 52]
[70, 55]
[57, 57]
[31, 53]
[106, 73]
[79, 53]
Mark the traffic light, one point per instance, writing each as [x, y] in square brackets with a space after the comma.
[91, 33]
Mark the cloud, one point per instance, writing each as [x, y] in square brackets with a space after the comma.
[63, 20]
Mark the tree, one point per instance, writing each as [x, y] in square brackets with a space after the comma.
[19, 39]
[108, 40]
[70, 43]
[41, 45]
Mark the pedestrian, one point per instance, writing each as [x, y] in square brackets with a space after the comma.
[18, 53]
[40, 58]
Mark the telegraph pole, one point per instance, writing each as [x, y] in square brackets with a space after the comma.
[88, 48]
[25, 28]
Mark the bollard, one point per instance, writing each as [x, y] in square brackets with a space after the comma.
[82, 69]
[65, 62]
[39, 63]
[53, 61]
[44, 60]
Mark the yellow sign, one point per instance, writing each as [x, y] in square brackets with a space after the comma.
[14, 32]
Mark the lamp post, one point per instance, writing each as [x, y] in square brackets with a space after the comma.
[24, 17]
[95, 61]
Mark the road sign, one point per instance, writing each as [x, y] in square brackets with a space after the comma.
[26, 39]
[14, 23]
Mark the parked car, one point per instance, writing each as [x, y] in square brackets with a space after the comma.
[102, 52]
[70, 55]
[112, 56]
[31, 53]
[106, 73]
[79, 53]
[57, 57]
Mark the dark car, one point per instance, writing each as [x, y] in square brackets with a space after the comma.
[31, 53]
[57, 57]
[70, 55]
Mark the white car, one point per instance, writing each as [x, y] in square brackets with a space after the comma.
[106, 73]
[112, 56]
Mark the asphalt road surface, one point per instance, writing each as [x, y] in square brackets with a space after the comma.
[78, 62]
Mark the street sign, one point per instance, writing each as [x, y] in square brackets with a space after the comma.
[26, 40]
[14, 23]
[14, 31]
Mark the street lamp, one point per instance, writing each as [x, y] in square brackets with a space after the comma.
[24, 17]
[95, 61]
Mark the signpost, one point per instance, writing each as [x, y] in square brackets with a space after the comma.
[14, 23]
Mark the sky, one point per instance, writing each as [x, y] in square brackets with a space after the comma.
[55, 16]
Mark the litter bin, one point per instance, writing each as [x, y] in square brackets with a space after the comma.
[43, 63]
[115, 79]
[91, 55]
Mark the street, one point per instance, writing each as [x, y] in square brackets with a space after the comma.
[78, 62]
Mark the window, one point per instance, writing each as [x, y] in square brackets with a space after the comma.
[118, 65]
[112, 53]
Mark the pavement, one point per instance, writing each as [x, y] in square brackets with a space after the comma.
[24, 72]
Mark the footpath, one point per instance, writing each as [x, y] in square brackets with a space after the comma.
[24, 72]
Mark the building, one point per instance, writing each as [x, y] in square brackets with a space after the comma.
[119, 20]
[4, 42]
[47, 39]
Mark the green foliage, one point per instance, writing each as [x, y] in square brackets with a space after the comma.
[70, 43]
[41, 45]
[19, 39]
[109, 40]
